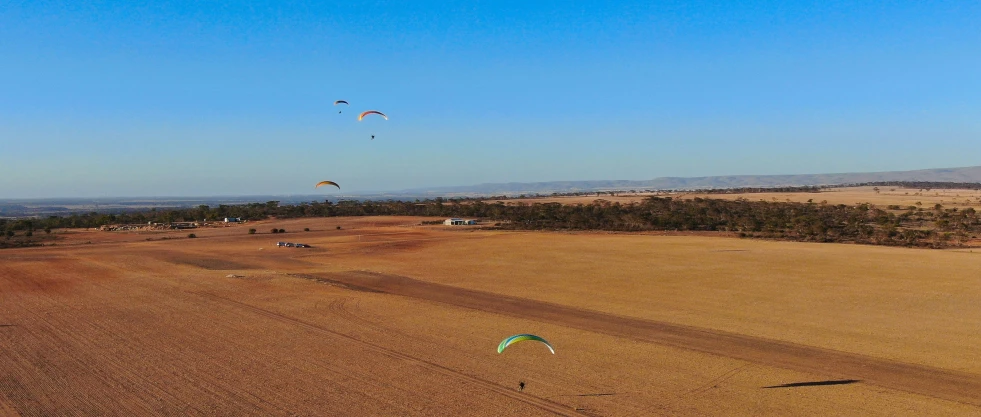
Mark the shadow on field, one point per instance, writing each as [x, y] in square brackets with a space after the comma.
[816, 383]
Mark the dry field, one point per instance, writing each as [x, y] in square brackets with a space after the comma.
[903, 197]
[384, 317]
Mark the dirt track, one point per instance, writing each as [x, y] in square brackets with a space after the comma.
[934, 382]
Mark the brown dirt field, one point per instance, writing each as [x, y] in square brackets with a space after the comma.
[385, 317]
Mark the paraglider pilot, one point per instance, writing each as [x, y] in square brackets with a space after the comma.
[521, 386]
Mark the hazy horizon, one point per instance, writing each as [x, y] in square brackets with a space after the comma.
[949, 175]
[204, 99]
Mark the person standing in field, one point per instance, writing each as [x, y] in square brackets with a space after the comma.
[521, 386]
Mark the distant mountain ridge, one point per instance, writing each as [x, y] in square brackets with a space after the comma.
[965, 174]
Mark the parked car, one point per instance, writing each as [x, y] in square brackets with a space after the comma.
[302, 245]
[280, 243]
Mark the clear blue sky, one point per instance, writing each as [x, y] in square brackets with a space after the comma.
[189, 98]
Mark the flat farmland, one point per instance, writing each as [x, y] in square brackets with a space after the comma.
[386, 317]
[885, 196]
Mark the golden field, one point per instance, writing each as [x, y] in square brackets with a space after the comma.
[387, 317]
[886, 196]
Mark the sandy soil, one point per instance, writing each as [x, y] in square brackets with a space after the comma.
[385, 317]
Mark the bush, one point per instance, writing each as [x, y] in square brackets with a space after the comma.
[282, 230]
[338, 227]
[274, 230]
[306, 229]
[28, 233]
[251, 231]
[47, 230]
[191, 236]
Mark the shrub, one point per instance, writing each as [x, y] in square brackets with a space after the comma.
[274, 230]
[338, 227]
[191, 236]
[282, 230]
[47, 230]
[28, 233]
[306, 229]
[251, 231]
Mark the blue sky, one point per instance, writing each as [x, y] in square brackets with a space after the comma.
[190, 98]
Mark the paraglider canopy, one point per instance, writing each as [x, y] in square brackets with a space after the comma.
[327, 183]
[521, 338]
[340, 101]
[363, 114]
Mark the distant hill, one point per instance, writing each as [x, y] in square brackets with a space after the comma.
[967, 174]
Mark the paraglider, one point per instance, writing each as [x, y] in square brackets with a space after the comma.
[327, 183]
[520, 338]
[340, 102]
[363, 114]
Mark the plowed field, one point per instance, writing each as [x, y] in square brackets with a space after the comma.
[386, 317]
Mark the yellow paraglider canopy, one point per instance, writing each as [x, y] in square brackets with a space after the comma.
[327, 183]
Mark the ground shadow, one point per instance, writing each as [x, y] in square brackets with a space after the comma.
[816, 383]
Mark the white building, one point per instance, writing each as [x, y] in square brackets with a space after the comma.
[458, 222]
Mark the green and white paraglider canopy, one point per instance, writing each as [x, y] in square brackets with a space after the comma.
[521, 338]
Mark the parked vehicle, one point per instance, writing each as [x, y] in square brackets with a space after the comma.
[290, 245]
[280, 244]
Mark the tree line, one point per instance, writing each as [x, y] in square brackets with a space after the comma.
[811, 222]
